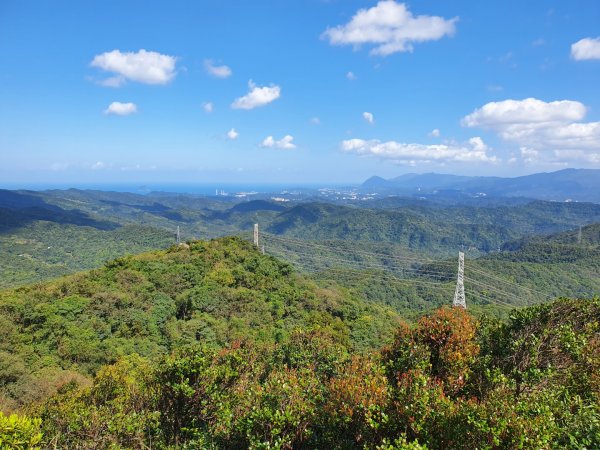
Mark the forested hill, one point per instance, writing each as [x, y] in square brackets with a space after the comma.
[577, 245]
[48, 234]
[431, 229]
[213, 292]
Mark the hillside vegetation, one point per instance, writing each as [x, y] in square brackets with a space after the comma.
[448, 382]
[51, 233]
[212, 292]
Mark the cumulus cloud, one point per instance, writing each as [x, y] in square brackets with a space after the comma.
[208, 107]
[543, 130]
[258, 96]
[435, 133]
[351, 76]
[536, 123]
[587, 48]
[142, 66]
[412, 153]
[217, 71]
[509, 113]
[368, 117]
[121, 109]
[390, 27]
[284, 143]
[232, 134]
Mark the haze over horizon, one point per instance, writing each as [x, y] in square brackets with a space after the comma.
[295, 92]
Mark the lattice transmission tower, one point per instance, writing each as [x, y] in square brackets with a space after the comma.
[459, 294]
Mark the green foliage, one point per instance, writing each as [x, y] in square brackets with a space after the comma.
[212, 293]
[43, 250]
[117, 411]
[448, 382]
[19, 432]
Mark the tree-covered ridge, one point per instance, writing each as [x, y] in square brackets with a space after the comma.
[212, 292]
[42, 250]
[448, 382]
[85, 228]
[433, 229]
[570, 246]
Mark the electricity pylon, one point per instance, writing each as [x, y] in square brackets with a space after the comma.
[459, 294]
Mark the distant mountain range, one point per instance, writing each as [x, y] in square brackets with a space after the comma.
[581, 185]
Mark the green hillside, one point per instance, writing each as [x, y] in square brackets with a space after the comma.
[448, 382]
[86, 228]
[42, 250]
[212, 292]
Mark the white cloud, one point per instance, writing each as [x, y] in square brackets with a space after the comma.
[536, 123]
[390, 27]
[406, 153]
[115, 82]
[315, 121]
[351, 76]
[368, 117]
[258, 96]
[544, 131]
[587, 48]
[435, 133]
[529, 155]
[232, 134]
[143, 66]
[208, 107]
[217, 71]
[507, 114]
[577, 155]
[284, 143]
[121, 109]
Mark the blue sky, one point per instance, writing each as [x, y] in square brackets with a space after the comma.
[295, 91]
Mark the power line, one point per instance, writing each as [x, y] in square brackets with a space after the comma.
[364, 264]
[423, 260]
[507, 282]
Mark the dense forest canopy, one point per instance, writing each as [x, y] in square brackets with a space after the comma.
[339, 335]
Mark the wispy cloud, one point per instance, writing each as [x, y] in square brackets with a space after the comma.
[368, 117]
[222, 71]
[412, 153]
[208, 107]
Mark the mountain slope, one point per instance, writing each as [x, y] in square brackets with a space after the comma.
[212, 292]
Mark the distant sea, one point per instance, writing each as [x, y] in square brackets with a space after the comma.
[183, 188]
